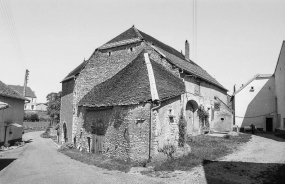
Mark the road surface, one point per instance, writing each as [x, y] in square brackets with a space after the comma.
[40, 162]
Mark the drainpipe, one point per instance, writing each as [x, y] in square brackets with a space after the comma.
[150, 124]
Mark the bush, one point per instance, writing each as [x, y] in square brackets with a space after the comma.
[168, 150]
[31, 116]
[182, 130]
[227, 136]
[67, 146]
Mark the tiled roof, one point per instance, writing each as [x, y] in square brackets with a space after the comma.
[128, 34]
[5, 90]
[20, 89]
[133, 35]
[131, 86]
[74, 72]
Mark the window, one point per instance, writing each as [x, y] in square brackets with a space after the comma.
[216, 106]
[32, 107]
[131, 49]
[25, 106]
[109, 53]
[222, 119]
[251, 89]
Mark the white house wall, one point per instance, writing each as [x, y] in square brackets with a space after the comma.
[256, 103]
[280, 87]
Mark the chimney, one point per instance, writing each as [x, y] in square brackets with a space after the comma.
[187, 50]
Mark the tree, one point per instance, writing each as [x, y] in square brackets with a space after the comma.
[53, 106]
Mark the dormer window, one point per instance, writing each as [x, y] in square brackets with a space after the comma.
[251, 89]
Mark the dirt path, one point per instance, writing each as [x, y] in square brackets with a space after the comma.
[256, 161]
[40, 162]
[262, 148]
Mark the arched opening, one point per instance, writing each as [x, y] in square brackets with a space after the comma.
[64, 129]
[191, 116]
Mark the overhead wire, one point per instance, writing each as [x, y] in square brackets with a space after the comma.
[11, 28]
[255, 116]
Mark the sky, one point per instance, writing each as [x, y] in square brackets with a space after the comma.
[236, 39]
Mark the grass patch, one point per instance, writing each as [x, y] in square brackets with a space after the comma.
[203, 147]
[97, 160]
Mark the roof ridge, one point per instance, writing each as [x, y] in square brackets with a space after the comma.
[137, 32]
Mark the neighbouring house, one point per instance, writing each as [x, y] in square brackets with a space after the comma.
[109, 104]
[255, 103]
[279, 74]
[41, 107]
[261, 101]
[29, 95]
[11, 116]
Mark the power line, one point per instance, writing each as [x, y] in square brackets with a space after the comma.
[11, 28]
[255, 116]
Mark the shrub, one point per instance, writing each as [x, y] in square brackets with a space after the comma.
[227, 136]
[67, 146]
[182, 130]
[31, 116]
[168, 150]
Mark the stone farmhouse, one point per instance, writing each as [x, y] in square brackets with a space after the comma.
[261, 101]
[11, 117]
[126, 100]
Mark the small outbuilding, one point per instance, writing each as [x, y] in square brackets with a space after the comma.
[11, 115]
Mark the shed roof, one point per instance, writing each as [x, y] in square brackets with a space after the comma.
[20, 89]
[7, 91]
[131, 86]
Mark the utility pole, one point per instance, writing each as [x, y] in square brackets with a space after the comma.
[26, 82]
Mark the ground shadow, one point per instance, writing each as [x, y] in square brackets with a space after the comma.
[4, 162]
[271, 135]
[217, 172]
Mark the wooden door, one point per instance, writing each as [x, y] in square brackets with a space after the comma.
[189, 117]
[97, 143]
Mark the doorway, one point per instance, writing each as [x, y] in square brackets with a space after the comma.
[191, 108]
[64, 132]
[269, 124]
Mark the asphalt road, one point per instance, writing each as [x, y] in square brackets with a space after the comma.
[40, 162]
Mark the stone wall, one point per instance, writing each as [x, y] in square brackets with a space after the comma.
[203, 93]
[66, 114]
[100, 67]
[165, 124]
[66, 109]
[126, 131]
